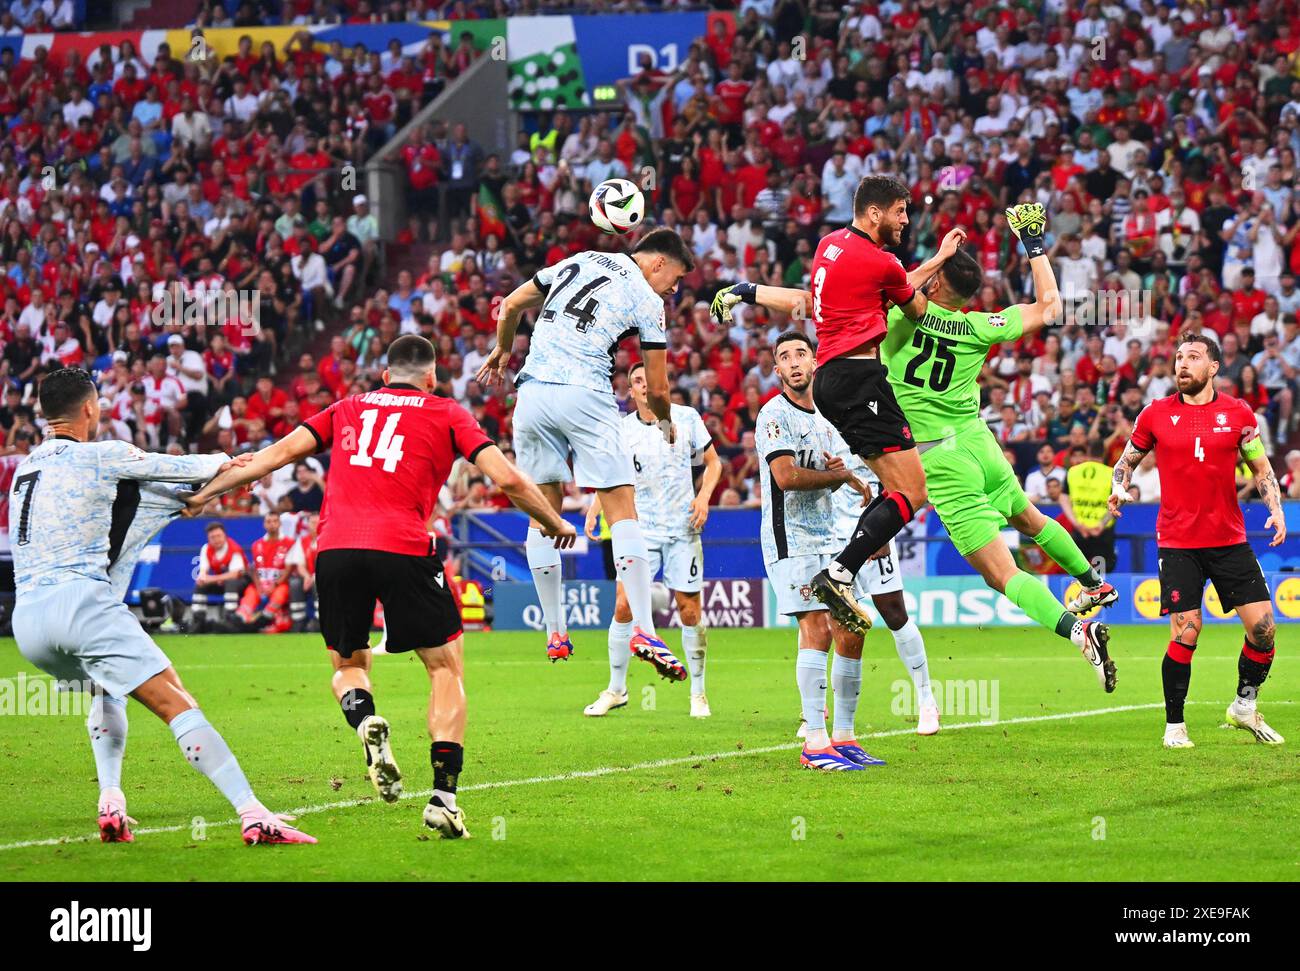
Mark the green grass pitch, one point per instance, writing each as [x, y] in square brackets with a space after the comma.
[647, 793]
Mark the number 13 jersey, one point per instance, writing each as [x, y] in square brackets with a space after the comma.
[593, 301]
[390, 453]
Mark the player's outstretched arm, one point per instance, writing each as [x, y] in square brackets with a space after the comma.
[1119, 493]
[526, 296]
[919, 277]
[298, 444]
[796, 303]
[1267, 485]
[525, 495]
[1028, 222]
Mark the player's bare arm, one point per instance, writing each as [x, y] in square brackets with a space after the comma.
[526, 296]
[593, 517]
[708, 483]
[914, 309]
[1119, 493]
[792, 477]
[656, 379]
[525, 495]
[787, 300]
[1046, 310]
[298, 444]
[1270, 492]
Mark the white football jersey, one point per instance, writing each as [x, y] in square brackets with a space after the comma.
[848, 502]
[665, 484]
[795, 523]
[593, 301]
[73, 504]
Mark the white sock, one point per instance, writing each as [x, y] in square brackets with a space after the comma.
[911, 651]
[107, 727]
[632, 561]
[810, 675]
[1243, 704]
[693, 643]
[448, 799]
[544, 562]
[619, 655]
[846, 681]
[205, 749]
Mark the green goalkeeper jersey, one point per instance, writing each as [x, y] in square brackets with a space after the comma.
[934, 364]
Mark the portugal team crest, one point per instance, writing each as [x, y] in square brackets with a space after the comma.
[773, 429]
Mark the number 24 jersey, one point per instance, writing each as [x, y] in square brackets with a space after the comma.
[390, 453]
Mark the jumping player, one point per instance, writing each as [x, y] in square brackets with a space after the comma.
[1199, 435]
[390, 452]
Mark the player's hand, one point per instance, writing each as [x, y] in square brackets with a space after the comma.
[834, 463]
[592, 523]
[564, 534]
[1116, 500]
[952, 241]
[193, 506]
[238, 462]
[1278, 522]
[493, 370]
[699, 511]
[724, 302]
[860, 487]
[668, 430]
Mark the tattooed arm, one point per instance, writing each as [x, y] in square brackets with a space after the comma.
[1119, 493]
[1271, 493]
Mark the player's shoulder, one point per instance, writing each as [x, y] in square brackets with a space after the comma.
[682, 413]
[774, 407]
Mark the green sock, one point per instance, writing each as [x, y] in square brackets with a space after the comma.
[1037, 601]
[1058, 544]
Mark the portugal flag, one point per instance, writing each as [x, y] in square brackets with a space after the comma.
[488, 210]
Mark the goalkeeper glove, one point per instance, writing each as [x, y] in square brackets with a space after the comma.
[728, 297]
[1029, 222]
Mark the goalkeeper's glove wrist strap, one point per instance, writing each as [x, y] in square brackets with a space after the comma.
[1034, 246]
[748, 292]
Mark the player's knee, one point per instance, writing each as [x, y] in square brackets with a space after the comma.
[892, 612]
[689, 611]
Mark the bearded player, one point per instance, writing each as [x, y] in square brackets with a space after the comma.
[1199, 436]
[854, 279]
[934, 367]
[390, 452]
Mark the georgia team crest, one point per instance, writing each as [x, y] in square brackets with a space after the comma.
[1220, 419]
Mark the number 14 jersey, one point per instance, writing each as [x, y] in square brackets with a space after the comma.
[390, 453]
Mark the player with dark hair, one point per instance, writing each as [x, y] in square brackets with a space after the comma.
[854, 279]
[1199, 436]
[934, 367]
[390, 452]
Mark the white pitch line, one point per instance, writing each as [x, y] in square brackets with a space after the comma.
[604, 771]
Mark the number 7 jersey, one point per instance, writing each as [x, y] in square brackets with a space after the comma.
[390, 453]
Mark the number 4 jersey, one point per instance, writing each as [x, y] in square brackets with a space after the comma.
[390, 453]
[593, 301]
[934, 366]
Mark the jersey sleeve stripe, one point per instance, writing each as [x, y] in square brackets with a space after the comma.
[320, 443]
[778, 453]
[537, 282]
[474, 454]
[654, 345]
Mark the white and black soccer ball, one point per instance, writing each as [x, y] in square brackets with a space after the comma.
[617, 206]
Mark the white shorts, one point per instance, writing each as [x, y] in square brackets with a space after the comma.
[682, 560]
[878, 577]
[79, 631]
[791, 581]
[556, 422]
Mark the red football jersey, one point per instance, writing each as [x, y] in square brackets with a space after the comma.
[390, 453]
[1196, 455]
[853, 282]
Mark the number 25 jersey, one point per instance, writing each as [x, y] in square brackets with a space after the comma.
[593, 301]
[390, 453]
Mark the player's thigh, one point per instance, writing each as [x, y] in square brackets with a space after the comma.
[881, 576]
[347, 588]
[1000, 482]
[791, 580]
[1182, 575]
[1237, 577]
[684, 565]
[854, 395]
[445, 659]
[541, 447]
[419, 609]
[955, 485]
[592, 425]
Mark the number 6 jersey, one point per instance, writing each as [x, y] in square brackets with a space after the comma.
[593, 301]
[390, 453]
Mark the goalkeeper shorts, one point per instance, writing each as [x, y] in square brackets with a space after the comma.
[972, 487]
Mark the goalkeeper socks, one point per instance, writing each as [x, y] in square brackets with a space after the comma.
[911, 651]
[1252, 669]
[1176, 673]
[1037, 602]
[205, 749]
[632, 562]
[879, 523]
[810, 675]
[544, 562]
[846, 682]
[693, 648]
[107, 728]
[619, 655]
[447, 759]
[1058, 544]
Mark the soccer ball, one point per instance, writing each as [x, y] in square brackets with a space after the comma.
[617, 206]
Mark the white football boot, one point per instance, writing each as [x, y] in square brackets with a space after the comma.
[449, 824]
[383, 770]
[700, 706]
[1176, 736]
[607, 702]
[1249, 720]
[927, 720]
